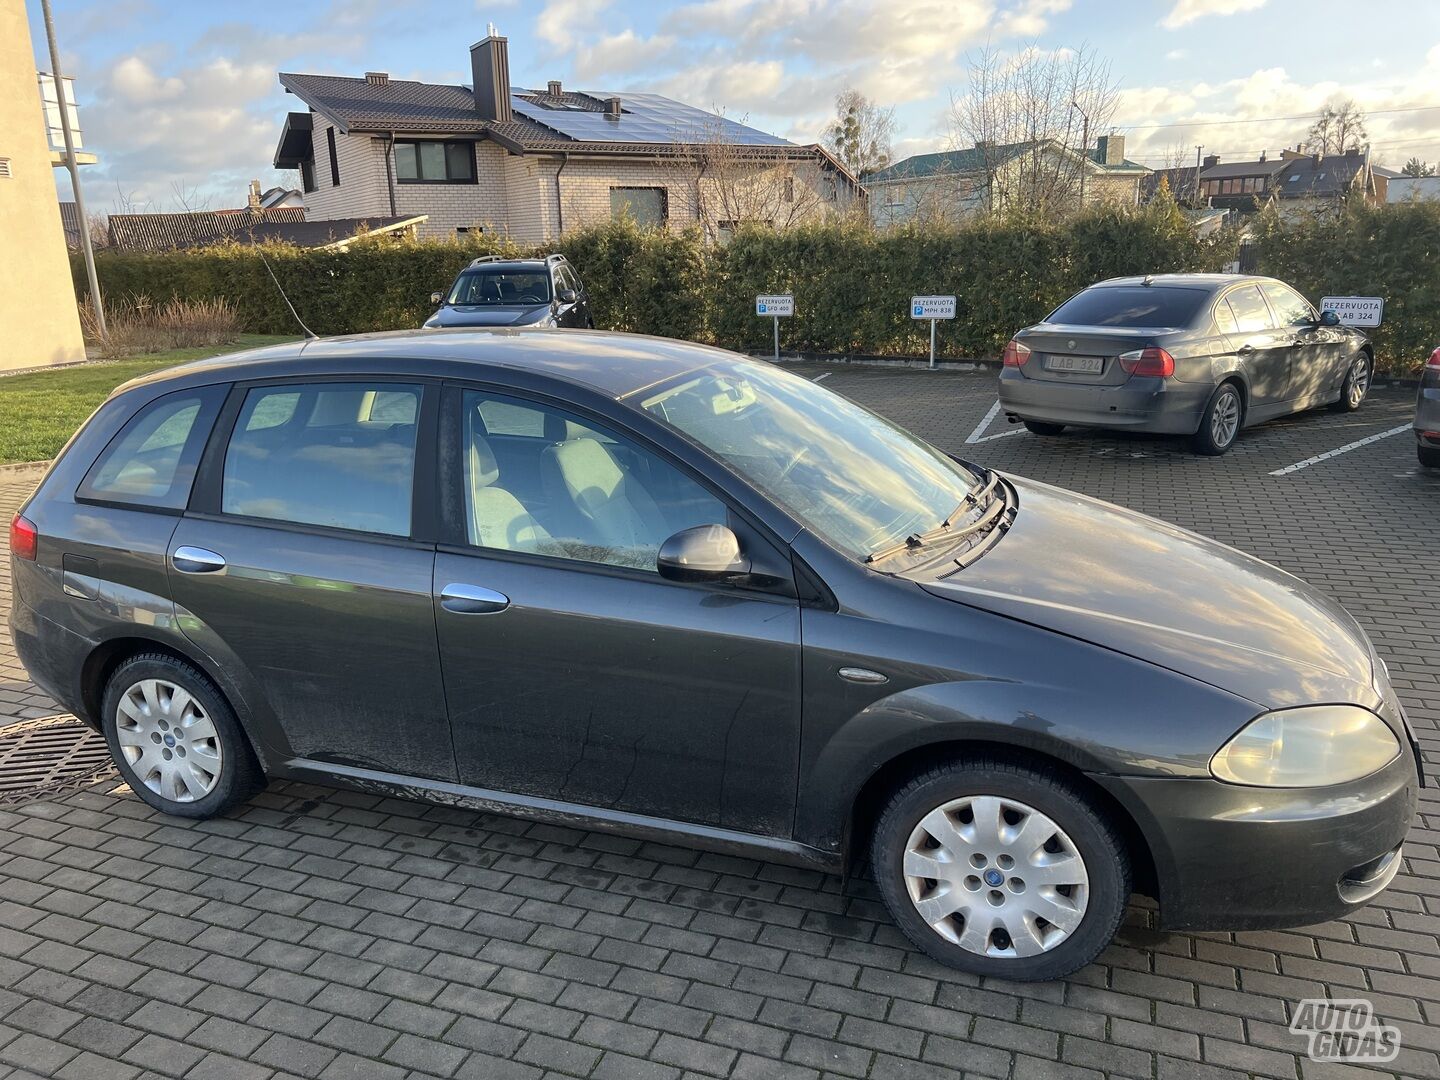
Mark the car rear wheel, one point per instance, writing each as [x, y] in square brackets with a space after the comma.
[175, 739]
[1357, 384]
[1001, 869]
[1041, 428]
[1220, 422]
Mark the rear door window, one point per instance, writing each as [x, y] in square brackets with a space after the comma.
[152, 461]
[1132, 305]
[335, 454]
[1252, 315]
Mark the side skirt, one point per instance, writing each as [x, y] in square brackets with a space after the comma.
[574, 815]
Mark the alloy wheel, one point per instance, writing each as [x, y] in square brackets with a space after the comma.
[168, 740]
[996, 877]
[1359, 382]
[1225, 419]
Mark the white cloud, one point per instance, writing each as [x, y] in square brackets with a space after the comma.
[1031, 18]
[621, 54]
[134, 81]
[565, 23]
[1187, 11]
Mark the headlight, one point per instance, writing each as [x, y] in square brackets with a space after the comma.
[1309, 747]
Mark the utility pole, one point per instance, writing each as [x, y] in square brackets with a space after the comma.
[73, 166]
[1198, 148]
[1084, 147]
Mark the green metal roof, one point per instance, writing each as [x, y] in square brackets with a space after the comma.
[974, 159]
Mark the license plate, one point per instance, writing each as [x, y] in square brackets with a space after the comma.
[1091, 365]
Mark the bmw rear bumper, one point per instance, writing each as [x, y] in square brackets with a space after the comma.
[1141, 403]
[1244, 858]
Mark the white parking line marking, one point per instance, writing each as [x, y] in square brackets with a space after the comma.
[976, 437]
[822, 375]
[1328, 454]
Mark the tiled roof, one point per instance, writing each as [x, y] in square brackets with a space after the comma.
[310, 234]
[157, 232]
[974, 159]
[70, 219]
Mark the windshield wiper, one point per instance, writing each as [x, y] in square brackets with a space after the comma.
[974, 497]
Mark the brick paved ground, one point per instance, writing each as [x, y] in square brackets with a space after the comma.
[321, 933]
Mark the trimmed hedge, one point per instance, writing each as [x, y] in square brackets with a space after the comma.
[1392, 251]
[851, 283]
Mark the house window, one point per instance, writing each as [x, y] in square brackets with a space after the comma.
[4, 168]
[789, 195]
[334, 159]
[307, 174]
[428, 162]
[829, 189]
[647, 205]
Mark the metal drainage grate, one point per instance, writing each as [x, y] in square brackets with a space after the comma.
[44, 757]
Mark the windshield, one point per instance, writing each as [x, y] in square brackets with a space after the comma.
[1131, 305]
[852, 478]
[501, 287]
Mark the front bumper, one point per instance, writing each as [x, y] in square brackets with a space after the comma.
[1243, 858]
[1142, 403]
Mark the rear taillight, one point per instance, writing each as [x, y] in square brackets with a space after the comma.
[1148, 361]
[1434, 361]
[1016, 354]
[24, 538]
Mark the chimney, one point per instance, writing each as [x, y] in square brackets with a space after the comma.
[1262, 156]
[612, 108]
[1111, 149]
[1211, 160]
[1353, 151]
[490, 75]
[252, 203]
[555, 88]
[377, 78]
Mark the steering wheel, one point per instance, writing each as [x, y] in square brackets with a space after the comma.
[800, 456]
[529, 298]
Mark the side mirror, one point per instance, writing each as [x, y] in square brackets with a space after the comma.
[435, 298]
[1329, 318]
[704, 553]
[567, 296]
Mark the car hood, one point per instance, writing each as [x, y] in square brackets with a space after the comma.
[1143, 587]
[489, 315]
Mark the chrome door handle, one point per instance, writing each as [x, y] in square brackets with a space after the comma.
[197, 560]
[472, 599]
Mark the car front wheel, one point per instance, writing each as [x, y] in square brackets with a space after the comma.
[1357, 384]
[175, 739]
[1001, 869]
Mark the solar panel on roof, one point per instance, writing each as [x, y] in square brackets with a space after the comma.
[645, 118]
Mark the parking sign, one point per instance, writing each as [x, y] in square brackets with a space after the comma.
[1356, 310]
[776, 305]
[932, 307]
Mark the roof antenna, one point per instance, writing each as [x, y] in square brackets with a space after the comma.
[308, 332]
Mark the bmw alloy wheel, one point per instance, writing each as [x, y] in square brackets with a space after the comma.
[996, 877]
[1225, 420]
[1359, 382]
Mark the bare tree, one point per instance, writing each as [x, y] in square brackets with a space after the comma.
[1031, 116]
[188, 199]
[861, 133]
[1339, 127]
[723, 185]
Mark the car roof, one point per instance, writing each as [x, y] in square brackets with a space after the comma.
[1191, 281]
[611, 363]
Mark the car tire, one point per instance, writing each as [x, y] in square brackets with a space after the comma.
[1039, 427]
[1033, 804]
[175, 739]
[1357, 383]
[1221, 421]
[1429, 456]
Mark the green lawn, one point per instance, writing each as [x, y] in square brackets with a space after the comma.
[40, 410]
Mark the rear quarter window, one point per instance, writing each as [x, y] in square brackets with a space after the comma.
[152, 461]
[1132, 305]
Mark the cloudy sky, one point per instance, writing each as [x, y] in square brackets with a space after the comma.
[180, 100]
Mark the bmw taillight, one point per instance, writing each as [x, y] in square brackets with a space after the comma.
[1434, 361]
[24, 538]
[1016, 354]
[1151, 360]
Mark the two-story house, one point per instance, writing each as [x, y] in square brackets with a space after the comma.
[958, 183]
[1296, 181]
[537, 163]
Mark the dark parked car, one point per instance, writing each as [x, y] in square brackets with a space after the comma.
[1202, 355]
[1427, 414]
[495, 291]
[648, 586]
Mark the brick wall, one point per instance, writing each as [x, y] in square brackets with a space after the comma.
[361, 191]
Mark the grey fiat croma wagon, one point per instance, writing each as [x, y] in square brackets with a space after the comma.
[648, 586]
